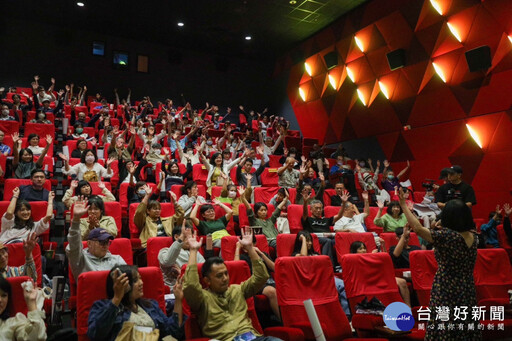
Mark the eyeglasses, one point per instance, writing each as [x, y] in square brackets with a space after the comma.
[103, 242]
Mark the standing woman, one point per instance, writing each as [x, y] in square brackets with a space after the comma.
[455, 251]
[88, 169]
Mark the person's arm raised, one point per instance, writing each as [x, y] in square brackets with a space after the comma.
[193, 213]
[344, 199]
[49, 210]
[414, 223]
[402, 172]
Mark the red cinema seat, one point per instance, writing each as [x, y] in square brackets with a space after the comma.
[10, 127]
[274, 161]
[503, 240]
[286, 242]
[295, 216]
[269, 177]
[294, 285]
[38, 208]
[92, 287]
[96, 190]
[390, 239]
[17, 258]
[328, 193]
[331, 211]
[199, 174]
[418, 196]
[243, 219]
[264, 194]
[369, 275]
[11, 184]
[17, 305]
[423, 268]
[123, 194]
[368, 221]
[345, 239]
[167, 211]
[71, 144]
[40, 129]
[292, 141]
[112, 209]
[493, 277]
[478, 223]
[32, 115]
[154, 245]
[216, 191]
[228, 246]
[123, 248]
[177, 189]
[307, 141]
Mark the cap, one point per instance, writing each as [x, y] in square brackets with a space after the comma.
[444, 173]
[367, 176]
[455, 169]
[99, 234]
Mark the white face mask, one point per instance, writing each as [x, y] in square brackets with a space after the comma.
[5, 112]
[190, 152]
[89, 159]
[157, 151]
[232, 194]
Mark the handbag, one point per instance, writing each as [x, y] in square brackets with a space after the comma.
[129, 332]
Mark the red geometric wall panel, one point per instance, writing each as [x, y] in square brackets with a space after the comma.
[436, 103]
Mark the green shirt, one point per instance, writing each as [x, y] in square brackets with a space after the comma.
[267, 225]
[224, 316]
[211, 227]
[389, 223]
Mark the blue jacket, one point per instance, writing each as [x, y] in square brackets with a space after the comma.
[106, 321]
[491, 233]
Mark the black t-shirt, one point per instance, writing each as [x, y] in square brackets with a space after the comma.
[461, 191]
[402, 261]
[311, 224]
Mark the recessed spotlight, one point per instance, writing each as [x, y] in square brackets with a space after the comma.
[80, 4]
[248, 37]
[180, 24]
[293, 2]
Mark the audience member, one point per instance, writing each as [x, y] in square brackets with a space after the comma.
[83, 188]
[36, 190]
[455, 188]
[96, 218]
[288, 176]
[28, 269]
[88, 169]
[400, 252]
[210, 225]
[4, 149]
[23, 162]
[393, 219]
[489, 230]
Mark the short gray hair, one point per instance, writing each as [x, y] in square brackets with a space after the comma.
[314, 202]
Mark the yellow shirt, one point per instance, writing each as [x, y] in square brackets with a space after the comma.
[148, 228]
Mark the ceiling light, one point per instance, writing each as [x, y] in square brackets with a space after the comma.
[350, 74]
[384, 90]
[454, 32]
[308, 69]
[359, 43]
[361, 97]
[293, 2]
[332, 81]
[80, 4]
[302, 94]
[248, 37]
[510, 38]
[474, 135]
[180, 24]
[436, 6]
[439, 71]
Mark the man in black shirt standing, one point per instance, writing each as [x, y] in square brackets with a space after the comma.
[455, 188]
[319, 224]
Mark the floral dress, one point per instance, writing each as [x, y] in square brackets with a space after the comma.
[453, 289]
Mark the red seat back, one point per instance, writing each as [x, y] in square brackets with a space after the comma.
[17, 305]
[264, 194]
[295, 216]
[167, 211]
[216, 190]
[71, 144]
[176, 189]
[391, 240]
[228, 246]
[42, 143]
[269, 177]
[493, 274]
[17, 258]
[9, 127]
[38, 208]
[40, 129]
[154, 246]
[369, 274]
[331, 211]
[423, 268]
[328, 193]
[123, 193]
[199, 174]
[503, 240]
[345, 239]
[10, 184]
[92, 287]
[286, 242]
[273, 161]
[123, 248]
[301, 278]
[368, 221]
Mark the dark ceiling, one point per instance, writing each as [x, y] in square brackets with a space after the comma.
[219, 26]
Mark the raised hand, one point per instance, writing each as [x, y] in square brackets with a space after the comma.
[380, 204]
[303, 169]
[216, 201]
[132, 130]
[101, 185]
[246, 240]
[378, 163]
[109, 161]
[401, 195]
[80, 208]
[29, 244]
[15, 138]
[178, 289]
[132, 169]
[248, 176]
[304, 159]
[408, 163]
[36, 78]
[51, 197]
[31, 297]
[321, 176]
[174, 198]
[365, 195]
[52, 80]
[63, 156]
[306, 196]
[49, 139]
[16, 192]
[94, 141]
[93, 222]
[241, 190]
[121, 286]
[148, 190]
[386, 163]
[74, 184]
[285, 152]
[507, 209]
[345, 196]
[193, 243]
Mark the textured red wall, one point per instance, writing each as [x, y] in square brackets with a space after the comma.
[437, 111]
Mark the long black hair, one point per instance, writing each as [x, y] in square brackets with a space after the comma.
[19, 223]
[82, 183]
[298, 243]
[356, 245]
[392, 204]
[130, 271]
[5, 286]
